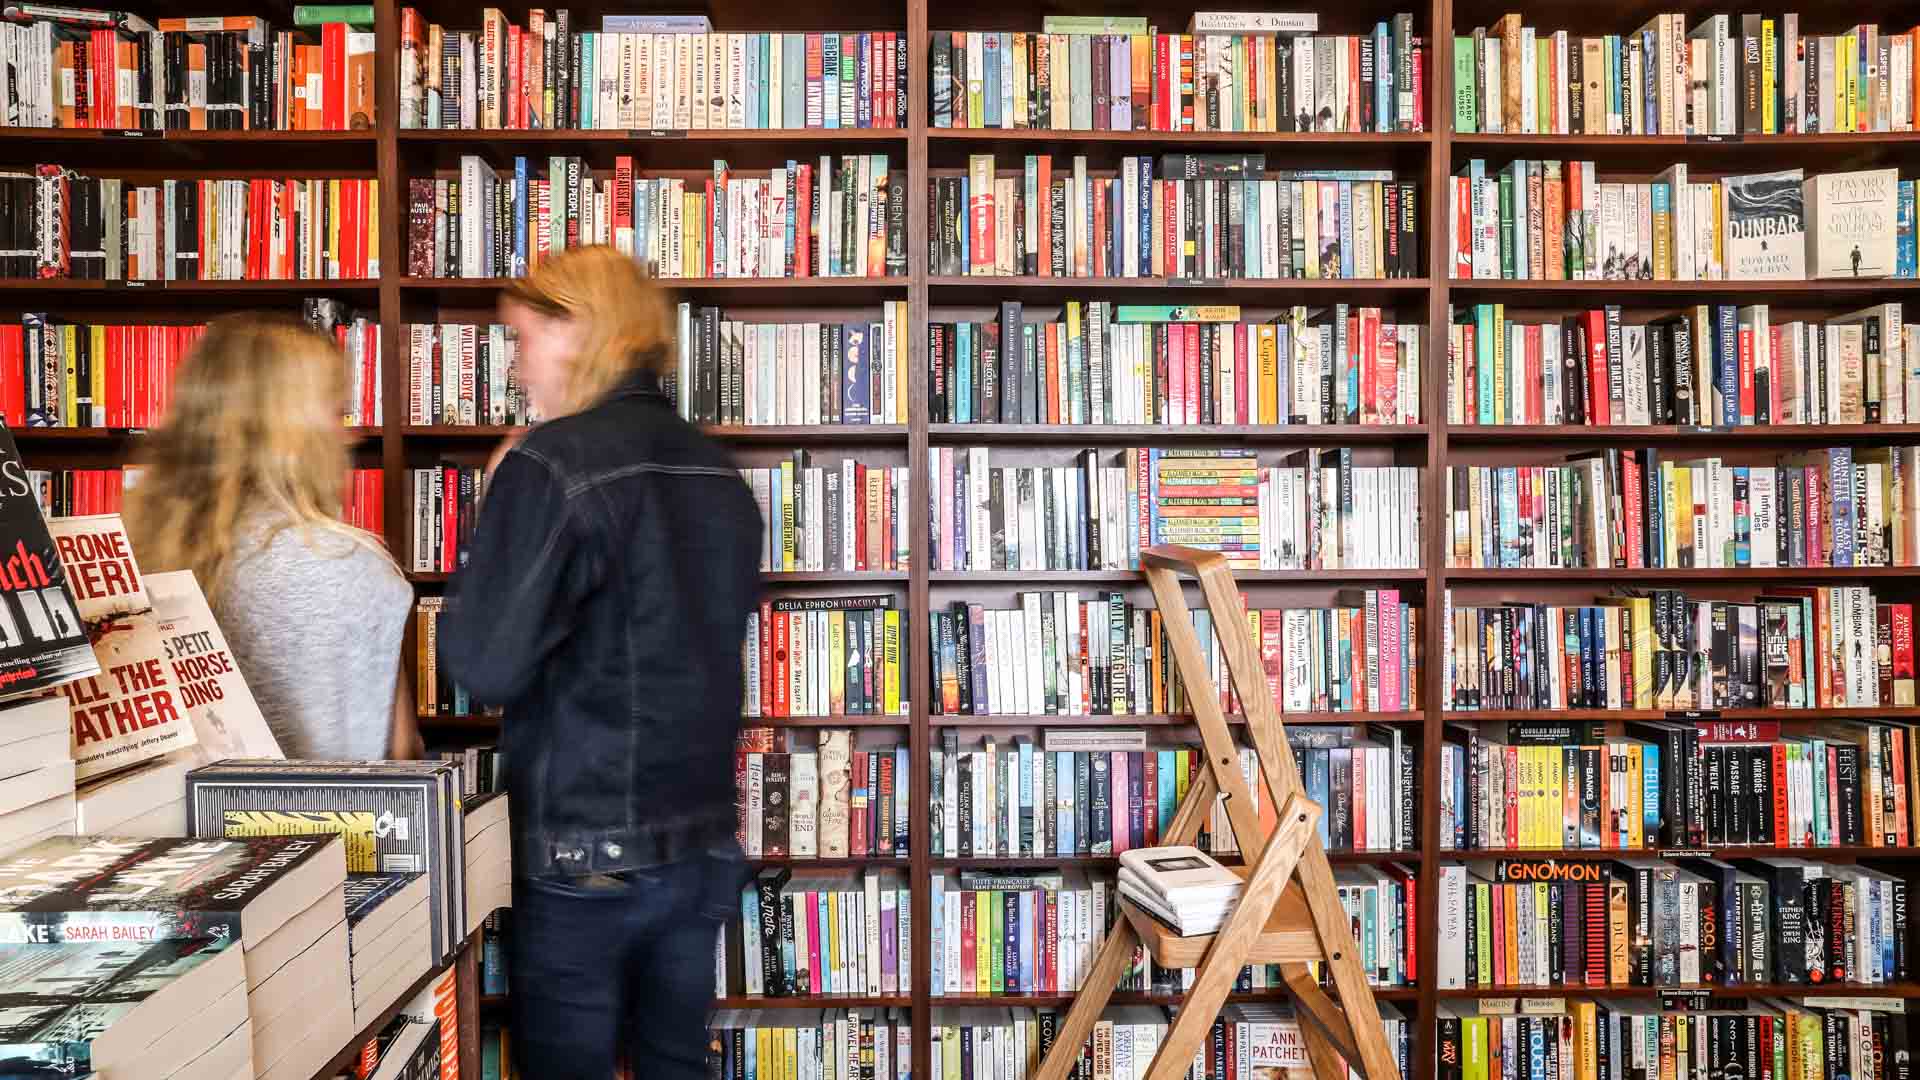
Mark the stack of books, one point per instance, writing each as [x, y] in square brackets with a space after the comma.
[822, 933]
[1231, 71]
[251, 797]
[1799, 647]
[36, 792]
[1523, 923]
[835, 217]
[1755, 76]
[1671, 783]
[1180, 886]
[759, 1044]
[446, 500]
[1172, 220]
[390, 938]
[1827, 1037]
[64, 492]
[435, 693]
[652, 72]
[463, 374]
[828, 656]
[842, 798]
[732, 371]
[255, 899]
[487, 843]
[87, 68]
[1717, 364]
[1175, 364]
[849, 516]
[1317, 509]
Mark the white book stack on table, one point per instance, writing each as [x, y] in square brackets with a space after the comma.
[36, 772]
[1181, 886]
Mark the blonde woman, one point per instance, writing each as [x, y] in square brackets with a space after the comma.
[603, 603]
[243, 486]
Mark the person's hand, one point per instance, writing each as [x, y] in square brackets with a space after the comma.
[500, 451]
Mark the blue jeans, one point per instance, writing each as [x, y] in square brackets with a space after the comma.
[610, 964]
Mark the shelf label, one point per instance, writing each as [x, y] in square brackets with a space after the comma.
[1693, 714]
[129, 283]
[1195, 282]
[1697, 1001]
[655, 133]
[1732, 138]
[1684, 853]
[1709, 429]
[130, 133]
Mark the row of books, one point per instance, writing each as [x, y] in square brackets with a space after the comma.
[773, 1044]
[1523, 923]
[1074, 796]
[734, 371]
[62, 224]
[1712, 364]
[1823, 1038]
[828, 656]
[1261, 1039]
[840, 217]
[465, 374]
[657, 73]
[445, 501]
[1799, 648]
[1552, 220]
[998, 932]
[1317, 510]
[55, 373]
[1102, 363]
[1569, 785]
[1193, 216]
[1639, 508]
[1762, 76]
[436, 692]
[851, 516]
[837, 800]
[1058, 655]
[77, 492]
[83, 68]
[1129, 77]
[847, 932]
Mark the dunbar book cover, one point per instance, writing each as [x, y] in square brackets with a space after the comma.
[136, 891]
[42, 643]
[1765, 215]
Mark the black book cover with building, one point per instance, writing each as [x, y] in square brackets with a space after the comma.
[42, 641]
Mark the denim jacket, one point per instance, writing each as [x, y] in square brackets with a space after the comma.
[610, 576]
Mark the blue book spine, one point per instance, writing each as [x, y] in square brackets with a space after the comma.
[1840, 473]
[966, 216]
[1726, 362]
[792, 222]
[1906, 261]
[990, 90]
[962, 389]
[1613, 85]
[1250, 236]
[937, 916]
[1145, 201]
[520, 210]
[830, 80]
[1167, 790]
[1027, 939]
[1316, 782]
[751, 80]
[1383, 85]
[1650, 106]
[588, 49]
[1153, 496]
[1064, 840]
[1650, 782]
[863, 85]
[1347, 232]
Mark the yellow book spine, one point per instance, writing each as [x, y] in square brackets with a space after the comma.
[982, 941]
[97, 380]
[893, 663]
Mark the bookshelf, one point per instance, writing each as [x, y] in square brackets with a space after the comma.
[1429, 158]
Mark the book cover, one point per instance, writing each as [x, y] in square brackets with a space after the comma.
[1850, 223]
[42, 640]
[60, 1006]
[109, 890]
[1765, 226]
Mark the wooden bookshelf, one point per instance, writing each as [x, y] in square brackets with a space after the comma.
[1428, 158]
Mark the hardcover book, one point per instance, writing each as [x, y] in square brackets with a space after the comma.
[100, 568]
[80, 889]
[42, 642]
[134, 708]
[1850, 223]
[1765, 226]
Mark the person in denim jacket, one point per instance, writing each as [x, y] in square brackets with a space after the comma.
[603, 603]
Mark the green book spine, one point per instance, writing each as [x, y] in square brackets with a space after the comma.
[1506, 224]
[1092, 24]
[1466, 96]
[315, 14]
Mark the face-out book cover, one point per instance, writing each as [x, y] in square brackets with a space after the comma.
[42, 641]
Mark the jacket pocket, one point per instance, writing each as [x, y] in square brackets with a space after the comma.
[726, 873]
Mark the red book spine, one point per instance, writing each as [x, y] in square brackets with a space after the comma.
[967, 931]
[980, 214]
[1746, 374]
[1049, 975]
[1779, 785]
[1599, 411]
[333, 76]
[883, 835]
[450, 520]
[860, 517]
[1150, 796]
[860, 838]
[1241, 373]
[1098, 240]
[1192, 363]
[1043, 191]
[803, 222]
[1902, 631]
[1419, 82]
[516, 100]
[1776, 386]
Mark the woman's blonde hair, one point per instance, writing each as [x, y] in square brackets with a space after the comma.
[629, 325]
[255, 425]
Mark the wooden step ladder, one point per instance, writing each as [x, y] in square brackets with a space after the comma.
[1288, 913]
